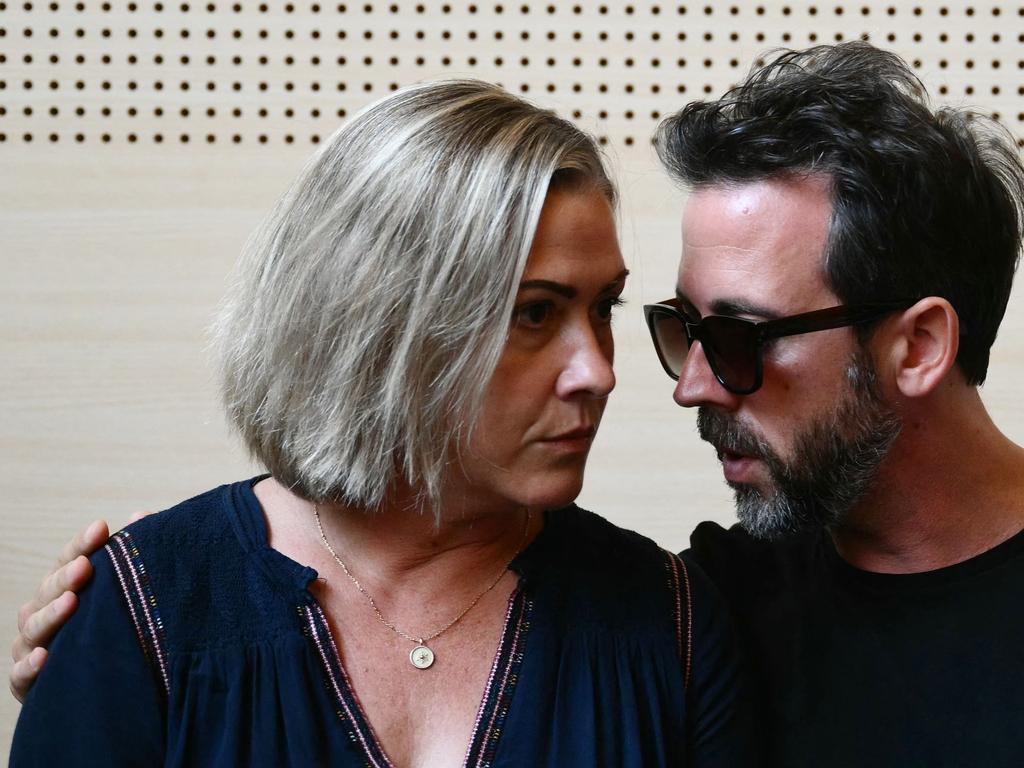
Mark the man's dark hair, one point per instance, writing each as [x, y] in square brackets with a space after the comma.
[924, 203]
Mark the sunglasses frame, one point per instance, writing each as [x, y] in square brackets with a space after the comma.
[793, 325]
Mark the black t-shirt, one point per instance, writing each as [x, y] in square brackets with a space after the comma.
[864, 669]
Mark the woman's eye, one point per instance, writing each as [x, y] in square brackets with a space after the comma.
[532, 315]
[606, 307]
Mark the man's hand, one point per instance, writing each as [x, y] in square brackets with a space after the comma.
[55, 601]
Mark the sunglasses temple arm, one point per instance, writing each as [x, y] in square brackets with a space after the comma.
[824, 320]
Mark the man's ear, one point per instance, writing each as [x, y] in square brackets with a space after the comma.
[923, 344]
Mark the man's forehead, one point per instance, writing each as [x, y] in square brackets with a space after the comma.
[762, 240]
[751, 207]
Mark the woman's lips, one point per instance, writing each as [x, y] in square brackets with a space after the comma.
[574, 441]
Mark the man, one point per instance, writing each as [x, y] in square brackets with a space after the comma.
[878, 572]
[878, 576]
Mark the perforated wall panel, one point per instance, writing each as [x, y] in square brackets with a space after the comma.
[269, 73]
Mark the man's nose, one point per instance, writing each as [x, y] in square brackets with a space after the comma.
[697, 384]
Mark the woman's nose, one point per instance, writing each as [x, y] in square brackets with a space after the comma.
[588, 369]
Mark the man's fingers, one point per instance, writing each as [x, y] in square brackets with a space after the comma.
[53, 604]
[24, 673]
[41, 625]
[24, 612]
[71, 577]
[86, 541]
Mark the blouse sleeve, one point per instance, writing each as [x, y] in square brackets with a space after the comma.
[719, 707]
[98, 700]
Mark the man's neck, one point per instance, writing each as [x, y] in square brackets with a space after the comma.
[951, 488]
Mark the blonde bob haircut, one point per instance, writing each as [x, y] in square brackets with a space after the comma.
[370, 309]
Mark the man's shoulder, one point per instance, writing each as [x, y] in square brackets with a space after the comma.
[594, 570]
[711, 543]
[742, 565]
[581, 541]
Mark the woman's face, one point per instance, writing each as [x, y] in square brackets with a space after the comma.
[548, 393]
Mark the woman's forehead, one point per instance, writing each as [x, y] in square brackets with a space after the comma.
[575, 239]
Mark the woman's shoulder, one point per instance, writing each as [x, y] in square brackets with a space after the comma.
[199, 537]
[582, 524]
[205, 567]
[193, 525]
[592, 570]
[589, 543]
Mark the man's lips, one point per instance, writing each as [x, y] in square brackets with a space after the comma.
[736, 466]
[729, 454]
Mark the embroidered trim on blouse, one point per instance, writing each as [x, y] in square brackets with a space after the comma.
[494, 707]
[349, 712]
[501, 683]
[679, 581]
[138, 593]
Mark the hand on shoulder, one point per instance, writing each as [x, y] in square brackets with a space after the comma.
[55, 600]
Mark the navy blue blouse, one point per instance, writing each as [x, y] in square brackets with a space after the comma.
[197, 644]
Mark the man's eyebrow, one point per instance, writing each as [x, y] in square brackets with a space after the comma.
[687, 305]
[728, 307]
[567, 290]
[733, 307]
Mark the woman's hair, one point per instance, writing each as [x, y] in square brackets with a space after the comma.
[925, 203]
[370, 309]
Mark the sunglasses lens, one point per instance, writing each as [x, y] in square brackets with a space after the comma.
[732, 347]
[670, 338]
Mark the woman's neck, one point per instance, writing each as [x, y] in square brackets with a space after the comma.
[400, 541]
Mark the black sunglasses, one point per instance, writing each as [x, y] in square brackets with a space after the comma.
[733, 345]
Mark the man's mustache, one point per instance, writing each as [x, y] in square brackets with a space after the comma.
[727, 435]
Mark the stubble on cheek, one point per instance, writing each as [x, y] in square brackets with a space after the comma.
[834, 459]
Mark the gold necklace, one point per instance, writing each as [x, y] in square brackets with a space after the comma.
[421, 656]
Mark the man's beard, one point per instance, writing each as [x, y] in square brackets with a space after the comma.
[834, 462]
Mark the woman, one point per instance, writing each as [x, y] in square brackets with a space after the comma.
[418, 349]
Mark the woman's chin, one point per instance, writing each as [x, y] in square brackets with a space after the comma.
[553, 493]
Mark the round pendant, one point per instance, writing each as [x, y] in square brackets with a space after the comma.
[421, 657]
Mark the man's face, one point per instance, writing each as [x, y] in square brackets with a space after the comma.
[801, 450]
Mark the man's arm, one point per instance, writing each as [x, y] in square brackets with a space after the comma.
[100, 700]
[54, 602]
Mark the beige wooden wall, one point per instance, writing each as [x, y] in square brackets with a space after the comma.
[140, 141]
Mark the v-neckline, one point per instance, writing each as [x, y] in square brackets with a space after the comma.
[497, 696]
[494, 706]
